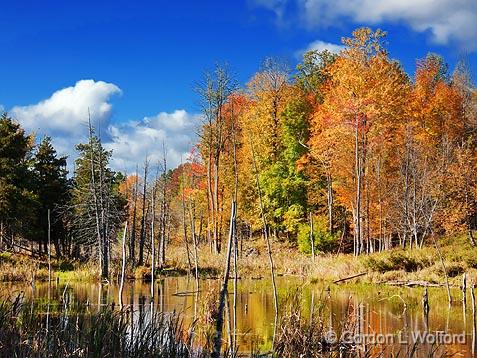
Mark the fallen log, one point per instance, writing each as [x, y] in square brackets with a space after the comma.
[350, 277]
[185, 293]
[412, 283]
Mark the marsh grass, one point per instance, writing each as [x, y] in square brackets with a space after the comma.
[28, 331]
[308, 335]
[24, 268]
[383, 267]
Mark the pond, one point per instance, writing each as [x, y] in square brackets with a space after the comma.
[380, 314]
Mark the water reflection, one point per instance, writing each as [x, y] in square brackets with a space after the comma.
[250, 316]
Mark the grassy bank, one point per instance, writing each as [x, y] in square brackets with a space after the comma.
[386, 267]
[392, 266]
[24, 268]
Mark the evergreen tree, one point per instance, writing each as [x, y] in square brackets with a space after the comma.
[97, 203]
[52, 189]
[17, 201]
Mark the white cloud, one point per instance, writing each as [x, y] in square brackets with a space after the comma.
[131, 142]
[319, 46]
[66, 110]
[445, 20]
[64, 115]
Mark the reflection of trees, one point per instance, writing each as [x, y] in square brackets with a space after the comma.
[382, 312]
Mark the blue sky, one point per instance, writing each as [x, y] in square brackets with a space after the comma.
[143, 57]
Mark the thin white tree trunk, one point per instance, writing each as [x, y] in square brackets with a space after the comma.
[153, 244]
[223, 292]
[123, 266]
[267, 240]
[312, 240]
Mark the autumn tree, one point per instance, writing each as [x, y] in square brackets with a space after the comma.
[353, 129]
[263, 124]
[214, 90]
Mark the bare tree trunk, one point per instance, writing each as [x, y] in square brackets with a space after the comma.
[380, 204]
[214, 91]
[201, 226]
[267, 239]
[123, 266]
[471, 236]
[142, 238]
[359, 242]
[216, 205]
[210, 204]
[49, 248]
[406, 198]
[2, 228]
[312, 240]
[194, 238]
[153, 244]
[329, 184]
[184, 225]
[95, 202]
[132, 243]
[104, 223]
[223, 291]
[164, 208]
[194, 242]
[235, 237]
[414, 211]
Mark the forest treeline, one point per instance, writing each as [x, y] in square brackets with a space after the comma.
[347, 144]
[376, 158]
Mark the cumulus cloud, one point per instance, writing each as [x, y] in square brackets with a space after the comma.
[64, 115]
[445, 20]
[131, 142]
[319, 46]
[66, 110]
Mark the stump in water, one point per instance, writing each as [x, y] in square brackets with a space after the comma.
[425, 301]
[464, 288]
[425, 308]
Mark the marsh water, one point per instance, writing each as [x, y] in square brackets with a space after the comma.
[381, 315]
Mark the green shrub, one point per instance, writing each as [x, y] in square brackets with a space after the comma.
[6, 257]
[466, 255]
[396, 260]
[471, 261]
[323, 240]
[453, 269]
[401, 260]
[378, 264]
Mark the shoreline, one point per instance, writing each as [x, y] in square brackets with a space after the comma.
[395, 267]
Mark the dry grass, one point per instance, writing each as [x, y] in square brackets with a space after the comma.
[24, 268]
[301, 334]
[393, 265]
[253, 260]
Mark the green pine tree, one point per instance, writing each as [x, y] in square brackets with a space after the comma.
[97, 203]
[17, 200]
[52, 189]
